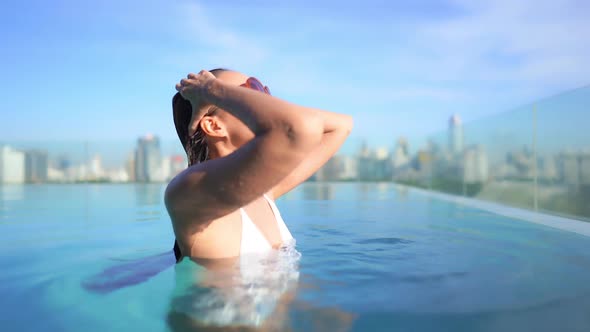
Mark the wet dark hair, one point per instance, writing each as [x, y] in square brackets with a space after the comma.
[195, 147]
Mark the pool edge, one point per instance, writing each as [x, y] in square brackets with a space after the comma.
[562, 223]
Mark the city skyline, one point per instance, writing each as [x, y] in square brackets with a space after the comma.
[516, 174]
[457, 158]
[536, 156]
[558, 115]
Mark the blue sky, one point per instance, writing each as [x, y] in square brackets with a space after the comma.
[105, 70]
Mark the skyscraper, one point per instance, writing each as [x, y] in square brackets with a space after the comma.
[585, 167]
[147, 159]
[401, 155]
[575, 167]
[475, 165]
[382, 165]
[570, 167]
[178, 164]
[331, 171]
[165, 169]
[36, 166]
[63, 163]
[95, 170]
[130, 166]
[12, 165]
[349, 171]
[365, 163]
[455, 134]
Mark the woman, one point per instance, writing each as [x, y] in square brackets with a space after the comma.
[246, 149]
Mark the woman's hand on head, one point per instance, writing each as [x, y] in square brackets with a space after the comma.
[194, 89]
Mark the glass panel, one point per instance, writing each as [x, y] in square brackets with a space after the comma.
[536, 157]
[563, 153]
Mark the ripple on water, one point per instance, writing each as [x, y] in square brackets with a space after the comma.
[385, 240]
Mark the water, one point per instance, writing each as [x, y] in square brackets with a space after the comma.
[369, 257]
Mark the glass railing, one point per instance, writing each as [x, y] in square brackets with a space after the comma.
[535, 157]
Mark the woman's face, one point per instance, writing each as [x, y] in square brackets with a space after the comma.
[237, 132]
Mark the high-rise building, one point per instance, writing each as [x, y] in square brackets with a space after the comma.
[365, 151]
[548, 168]
[401, 155]
[455, 134]
[475, 165]
[95, 170]
[56, 175]
[332, 170]
[165, 169]
[585, 168]
[365, 163]
[382, 162]
[117, 175]
[575, 167]
[337, 168]
[570, 168]
[147, 159]
[63, 163]
[424, 161]
[349, 168]
[130, 167]
[12, 165]
[178, 164]
[36, 166]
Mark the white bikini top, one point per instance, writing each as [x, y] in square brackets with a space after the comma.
[253, 294]
[253, 241]
[250, 297]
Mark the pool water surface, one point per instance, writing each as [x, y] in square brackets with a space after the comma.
[368, 257]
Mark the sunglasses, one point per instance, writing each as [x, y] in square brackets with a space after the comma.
[254, 84]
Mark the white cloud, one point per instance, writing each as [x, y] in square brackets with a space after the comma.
[513, 41]
[210, 41]
[493, 55]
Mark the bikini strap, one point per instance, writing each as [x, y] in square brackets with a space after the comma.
[273, 207]
[283, 229]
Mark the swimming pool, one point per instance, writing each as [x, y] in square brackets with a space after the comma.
[373, 257]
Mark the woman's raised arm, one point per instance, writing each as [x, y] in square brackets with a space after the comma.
[337, 127]
[285, 134]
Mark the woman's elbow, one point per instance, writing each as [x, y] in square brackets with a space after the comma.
[347, 123]
[314, 129]
[306, 133]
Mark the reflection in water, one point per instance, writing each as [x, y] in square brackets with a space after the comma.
[319, 194]
[255, 293]
[250, 293]
[318, 191]
[401, 192]
[293, 195]
[3, 205]
[149, 200]
[383, 190]
[12, 192]
[148, 194]
[364, 188]
[9, 195]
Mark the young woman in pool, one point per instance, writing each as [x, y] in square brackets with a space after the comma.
[246, 148]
